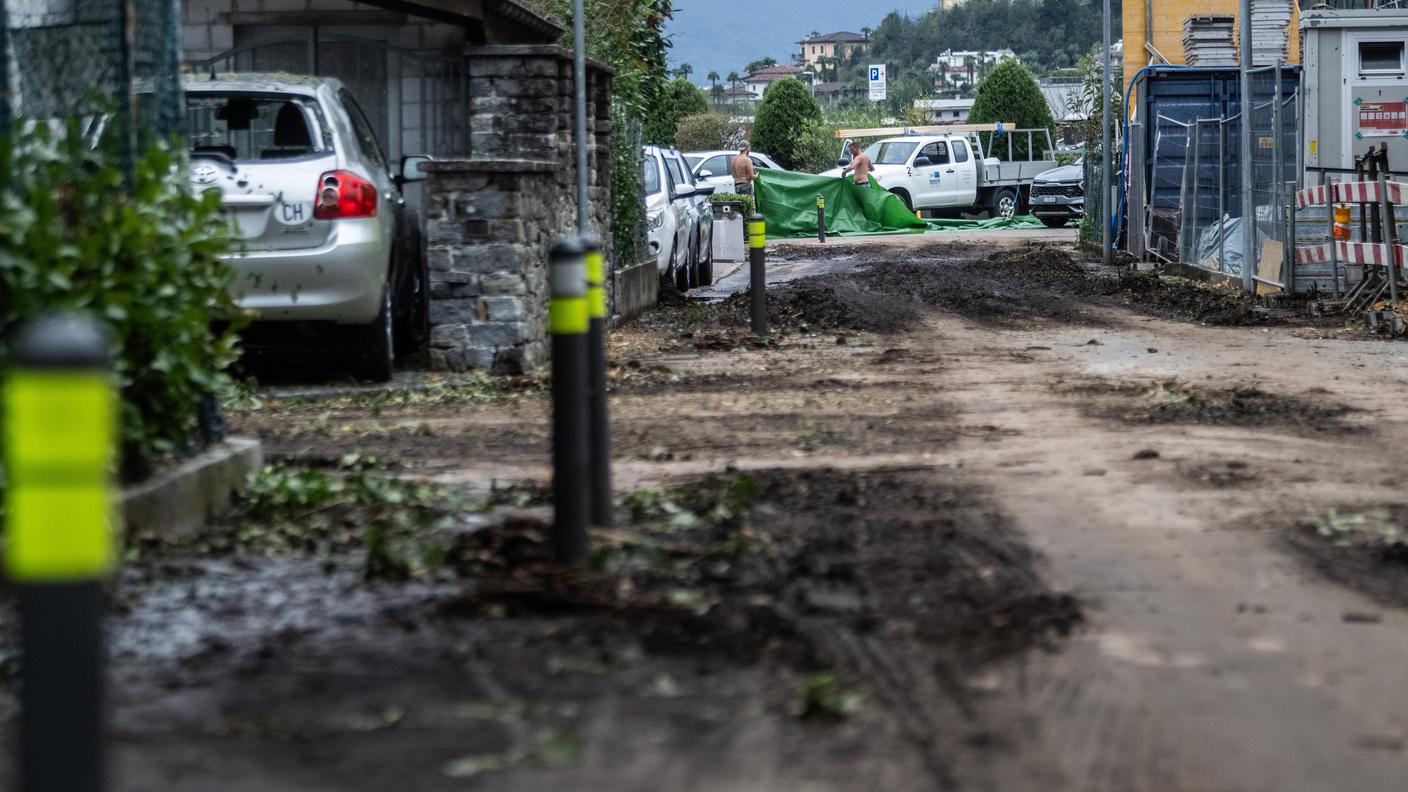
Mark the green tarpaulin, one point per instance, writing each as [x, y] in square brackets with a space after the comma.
[788, 202]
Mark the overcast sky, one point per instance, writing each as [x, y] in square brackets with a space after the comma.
[724, 35]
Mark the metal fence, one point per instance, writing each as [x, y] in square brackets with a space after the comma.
[114, 60]
[1197, 216]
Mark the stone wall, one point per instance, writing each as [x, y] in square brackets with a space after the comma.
[492, 217]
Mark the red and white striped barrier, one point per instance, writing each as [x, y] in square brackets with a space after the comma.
[1313, 254]
[1371, 254]
[1311, 196]
[1351, 192]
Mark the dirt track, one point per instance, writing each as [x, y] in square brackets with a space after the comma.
[1168, 475]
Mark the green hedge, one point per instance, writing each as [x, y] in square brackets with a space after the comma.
[143, 259]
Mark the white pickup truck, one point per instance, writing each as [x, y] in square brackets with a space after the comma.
[950, 173]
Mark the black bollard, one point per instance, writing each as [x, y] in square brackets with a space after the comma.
[59, 432]
[820, 219]
[568, 324]
[598, 414]
[758, 272]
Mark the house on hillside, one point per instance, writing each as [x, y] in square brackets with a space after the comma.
[819, 52]
[831, 94]
[1062, 98]
[945, 111]
[757, 83]
[953, 70]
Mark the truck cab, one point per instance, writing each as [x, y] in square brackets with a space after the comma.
[949, 172]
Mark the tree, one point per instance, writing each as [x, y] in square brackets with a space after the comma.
[782, 119]
[733, 79]
[1010, 94]
[629, 35]
[708, 132]
[680, 98]
[865, 31]
[713, 79]
[817, 148]
[684, 71]
[758, 65]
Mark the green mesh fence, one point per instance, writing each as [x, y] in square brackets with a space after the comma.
[114, 61]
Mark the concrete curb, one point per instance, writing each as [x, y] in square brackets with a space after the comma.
[180, 501]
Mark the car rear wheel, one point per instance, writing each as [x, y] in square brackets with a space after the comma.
[1051, 221]
[706, 260]
[413, 326]
[1004, 203]
[374, 346]
[905, 199]
[682, 272]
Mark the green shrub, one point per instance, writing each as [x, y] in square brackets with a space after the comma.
[749, 207]
[142, 260]
[817, 148]
[1010, 94]
[783, 117]
[679, 98]
[708, 132]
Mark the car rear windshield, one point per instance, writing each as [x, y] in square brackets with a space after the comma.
[891, 153]
[253, 127]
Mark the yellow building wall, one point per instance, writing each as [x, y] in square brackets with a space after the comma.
[1167, 36]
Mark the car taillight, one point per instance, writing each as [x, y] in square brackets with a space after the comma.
[343, 194]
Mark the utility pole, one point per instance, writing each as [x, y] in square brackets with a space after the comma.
[1106, 148]
[1248, 201]
[579, 69]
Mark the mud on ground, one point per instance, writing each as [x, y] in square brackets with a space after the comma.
[1365, 548]
[1015, 287]
[726, 605]
[1172, 401]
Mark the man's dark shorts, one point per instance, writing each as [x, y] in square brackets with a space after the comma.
[745, 188]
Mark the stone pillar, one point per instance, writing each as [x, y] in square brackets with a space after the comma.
[490, 219]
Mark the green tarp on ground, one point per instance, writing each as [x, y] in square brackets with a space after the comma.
[788, 202]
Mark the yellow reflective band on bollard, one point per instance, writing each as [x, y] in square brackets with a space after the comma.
[59, 431]
[567, 315]
[757, 235]
[596, 285]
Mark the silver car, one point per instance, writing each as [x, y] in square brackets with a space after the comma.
[680, 219]
[325, 240]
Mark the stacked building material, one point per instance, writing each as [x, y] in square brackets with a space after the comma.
[1271, 20]
[1207, 40]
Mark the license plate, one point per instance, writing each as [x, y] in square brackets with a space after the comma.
[1047, 198]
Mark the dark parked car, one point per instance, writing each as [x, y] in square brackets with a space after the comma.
[1058, 195]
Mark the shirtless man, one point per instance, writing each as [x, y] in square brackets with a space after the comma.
[743, 174]
[861, 164]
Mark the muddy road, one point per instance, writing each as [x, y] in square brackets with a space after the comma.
[980, 516]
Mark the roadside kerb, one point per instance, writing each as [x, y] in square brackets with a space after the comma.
[179, 502]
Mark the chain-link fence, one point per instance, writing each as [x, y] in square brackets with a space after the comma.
[1195, 215]
[115, 63]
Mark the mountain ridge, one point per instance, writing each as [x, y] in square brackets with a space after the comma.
[725, 35]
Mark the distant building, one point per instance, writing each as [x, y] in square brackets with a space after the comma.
[829, 49]
[739, 93]
[831, 94]
[758, 81]
[954, 69]
[945, 111]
